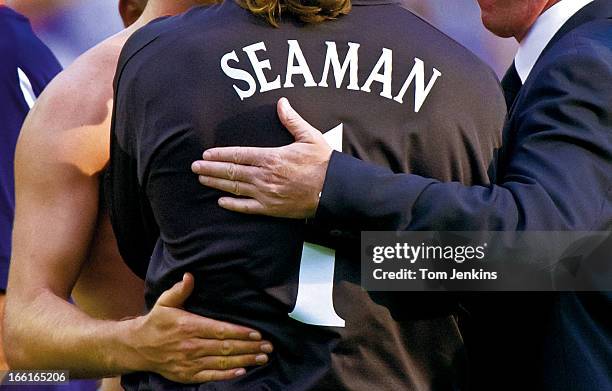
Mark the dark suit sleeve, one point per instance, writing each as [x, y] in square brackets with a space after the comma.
[556, 173]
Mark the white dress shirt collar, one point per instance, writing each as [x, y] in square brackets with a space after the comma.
[542, 31]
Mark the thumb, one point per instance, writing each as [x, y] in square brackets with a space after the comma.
[176, 296]
[295, 124]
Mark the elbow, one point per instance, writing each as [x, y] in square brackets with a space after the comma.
[14, 352]
[16, 357]
[15, 342]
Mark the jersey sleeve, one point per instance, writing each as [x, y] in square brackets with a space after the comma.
[132, 219]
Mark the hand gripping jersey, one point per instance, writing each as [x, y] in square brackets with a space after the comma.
[26, 66]
[382, 85]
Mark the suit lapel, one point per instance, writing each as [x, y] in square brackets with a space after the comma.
[598, 9]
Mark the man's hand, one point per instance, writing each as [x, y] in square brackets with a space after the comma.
[280, 182]
[187, 348]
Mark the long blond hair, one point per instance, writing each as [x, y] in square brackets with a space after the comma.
[313, 11]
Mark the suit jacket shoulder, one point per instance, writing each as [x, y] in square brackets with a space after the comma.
[590, 42]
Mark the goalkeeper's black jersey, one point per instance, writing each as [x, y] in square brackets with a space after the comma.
[382, 85]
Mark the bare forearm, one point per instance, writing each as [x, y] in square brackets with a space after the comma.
[50, 333]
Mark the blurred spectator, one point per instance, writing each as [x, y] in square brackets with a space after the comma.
[36, 9]
[460, 19]
[27, 66]
[70, 27]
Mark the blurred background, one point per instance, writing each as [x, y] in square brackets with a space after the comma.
[70, 27]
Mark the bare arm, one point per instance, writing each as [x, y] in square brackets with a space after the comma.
[58, 161]
[55, 216]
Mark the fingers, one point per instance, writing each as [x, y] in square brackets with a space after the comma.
[240, 155]
[229, 362]
[244, 205]
[214, 329]
[295, 124]
[209, 376]
[175, 297]
[211, 368]
[212, 347]
[229, 186]
[223, 170]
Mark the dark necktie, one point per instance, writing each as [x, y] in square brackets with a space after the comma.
[511, 83]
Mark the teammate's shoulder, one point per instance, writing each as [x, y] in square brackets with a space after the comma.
[70, 121]
[80, 94]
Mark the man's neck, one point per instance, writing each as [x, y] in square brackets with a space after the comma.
[550, 4]
[519, 36]
[159, 8]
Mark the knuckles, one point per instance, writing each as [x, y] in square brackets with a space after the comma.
[231, 171]
[272, 161]
[273, 190]
[184, 326]
[220, 332]
[226, 348]
[266, 177]
[223, 363]
[236, 156]
[188, 347]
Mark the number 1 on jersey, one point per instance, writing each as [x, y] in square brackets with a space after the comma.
[315, 303]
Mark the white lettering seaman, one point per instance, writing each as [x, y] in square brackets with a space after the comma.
[297, 66]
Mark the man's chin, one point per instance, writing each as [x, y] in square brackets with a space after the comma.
[501, 31]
